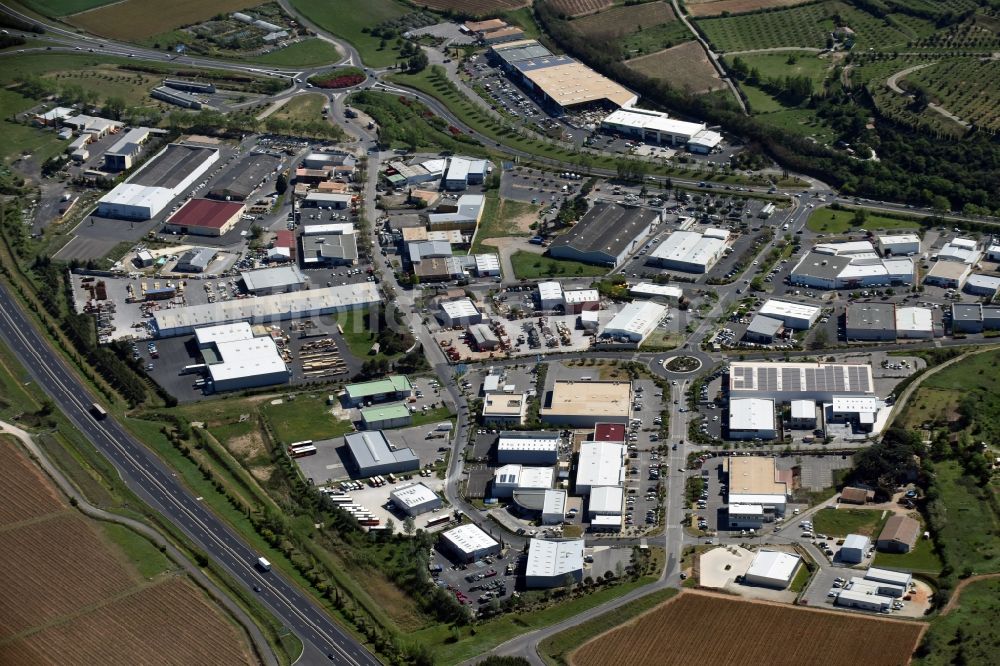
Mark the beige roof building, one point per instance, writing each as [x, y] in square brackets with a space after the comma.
[754, 480]
[505, 408]
[485, 26]
[574, 83]
[899, 534]
[586, 403]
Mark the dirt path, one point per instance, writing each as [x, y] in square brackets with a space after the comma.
[957, 592]
[893, 83]
[776, 49]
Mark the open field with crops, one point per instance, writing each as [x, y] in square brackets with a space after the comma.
[699, 628]
[685, 67]
[77, 593]
[63, 7]
[133, 20]
[716, 7]
[624, 20]
[472, 7]
[580, 7]
[968, 88]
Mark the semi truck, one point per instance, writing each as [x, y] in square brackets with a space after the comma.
[263, 564]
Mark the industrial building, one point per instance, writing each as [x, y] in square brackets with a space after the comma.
[752, 418]
[384, 417]
[783, 382]
[483, 338]
[635, 322]
[506, 409]
[576, 301]
[558, 82]
[373, 455]
[244, 177]
[175, 97]
[772, 568]
[689, 251]
[394, 387]
[508, 478]
[265, 309]
[850, 265]
[554, 563]
[763, 330]
[528, 447]
[609, 432]
[464, 171]
[871, 321]
[855, 495]
[974, 318]
[583, 404]
[864, 597]
[914, 323]
[464, 213]
[657, 127]
[190, 86]
[860, 411]
[982, 285]
[196, 260]
[93, 126]
[278, 280]
[606, 235]
[549, 504]
[329, 245]
[550, 295]
[899, 245]
[854, 549]
[205, 217]
[600, 464]
[963, 250]
[745, 516]
[653, 291]
[899, 535]
[327, 201]
[755, 480]
[606, 501]
[160, 180]
[948, 274]
[236, 360]
[796, 316]
[468, 543]
[121, 156]
[803, 414]
[415, 499]
[461, 312]
[898, 579]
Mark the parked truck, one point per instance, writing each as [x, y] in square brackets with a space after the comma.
[263, 564]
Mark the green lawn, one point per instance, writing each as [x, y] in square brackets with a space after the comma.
[528, 265]
[146, 557]
[18, 138]
[841, 221]
[971, 530]
[969, 634]
[304, 418]
[801, 578]
[922, 558]
[555, 648]
[301, 108]
[346, 19]
[841, 522]
[436, 415]
[307, 53]
[760, 102]
[775, 65]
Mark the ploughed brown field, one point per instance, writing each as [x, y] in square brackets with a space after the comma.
[624, 20]
[700, 628]
[140, 19]
[68, 595]
[579, 7]
[701, 8]
[684, 67]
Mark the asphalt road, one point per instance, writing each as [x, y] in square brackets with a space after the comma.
[151, 480]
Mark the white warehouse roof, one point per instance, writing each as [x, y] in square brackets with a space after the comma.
[541, 441]
[463, 307]
[751, 414]
[914, 319]
[580, 296]
[554, 558]
[469, 539]
[656, 121]
[637, 319]
[803, 409]
[746, 509]
[773, 564]
[607, 499]
[600, 464]
[899, 239]
[788, 311]
[247, 357]
[550, 291]
[688, 247]
[650, 289]
[414, 495]
[857, 541]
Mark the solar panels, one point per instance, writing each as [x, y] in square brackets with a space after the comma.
[799, 380]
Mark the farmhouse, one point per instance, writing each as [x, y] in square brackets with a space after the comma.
[772, 568]
[899, 535]
[606, 235]
[554, 563]
[584, 404]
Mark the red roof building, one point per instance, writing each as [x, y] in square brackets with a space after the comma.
[205, 217]
[609, 432]
[284, 246]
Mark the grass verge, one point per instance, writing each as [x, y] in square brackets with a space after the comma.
[528, 266]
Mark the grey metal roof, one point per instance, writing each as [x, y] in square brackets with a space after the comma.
[967, 312]
[608, 228]
[271, 278]
[871, 316]
[371, 448]
[763, 325]
[198, 258]
[822, 266]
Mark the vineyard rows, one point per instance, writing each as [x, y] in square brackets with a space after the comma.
[624, 20]
[579, 7]
[23, 492]
[968, 88]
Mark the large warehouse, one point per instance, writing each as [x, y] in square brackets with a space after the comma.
[600, 464]
[751, 418]
[265, 309]
[205, 217]
[635, 322]
[772, 568]
[871, 321]
[821, 270]
[415, 499]
[797, 316]
[244, 177]
[554, 563]
[689, 251]
[784, 382]
[528, 447]
[584, 404]
[163, 178]
[279, 280]
[462, 312]
[237, 360]
[651, 126]
[755, 480]
[373, 455]
[559, 82]
[606, 235]
[468, 543]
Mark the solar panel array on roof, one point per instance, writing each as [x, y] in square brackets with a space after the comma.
[801, 378]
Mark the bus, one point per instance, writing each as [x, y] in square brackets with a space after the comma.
[303, 452]
[340, 499]
[440, 520]
[98, 412]
[298, 445]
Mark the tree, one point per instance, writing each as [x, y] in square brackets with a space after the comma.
[281, 184]
[940, 204]
[408, 526]
[114, 106]
[417, 62]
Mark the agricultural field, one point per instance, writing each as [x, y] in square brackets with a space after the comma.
[341, 18]
[63, 7]
[69, 587]
[132, 20]
[699, 8]
[472, 7]
[968, 88]
[697, 627]
[685, 67]
[624, 20]
[579, 7]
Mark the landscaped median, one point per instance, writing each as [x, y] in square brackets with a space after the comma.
[341, 77]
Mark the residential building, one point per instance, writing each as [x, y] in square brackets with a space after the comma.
[554, 563]
[468, 543]
[415, 499]
[899, 535]
[372, 455]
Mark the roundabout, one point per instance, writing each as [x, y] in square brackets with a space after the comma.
[682, 364]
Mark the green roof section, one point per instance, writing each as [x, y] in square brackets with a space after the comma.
[393, 384]
[385, 412]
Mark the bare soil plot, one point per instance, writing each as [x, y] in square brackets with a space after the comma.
[24, 492]
[579, 7]
[171, 620]
[701, 8]
[472, 7]
[134, 20]
[624, 20]
[685, 67]
[702, 628]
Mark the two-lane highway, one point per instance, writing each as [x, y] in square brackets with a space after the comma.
[150, 479]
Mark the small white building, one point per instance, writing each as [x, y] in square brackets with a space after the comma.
[553, 506]
[751, 418]
[576, 301]
[649, 290]
[899, 245]
[554, 563]
[964, 250]
[606, 501]
[745, 516]
[772, 568]
[854, 549]
[461, 312]
[468, 543]
[550, 295]
[864, 598]
[600, 464]
[635, 322]
[914, 323]
[509, 478]
[900, 579]
[803, 414]
[528, 448]
[415, 499]
[982, 285]
[797, 316]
